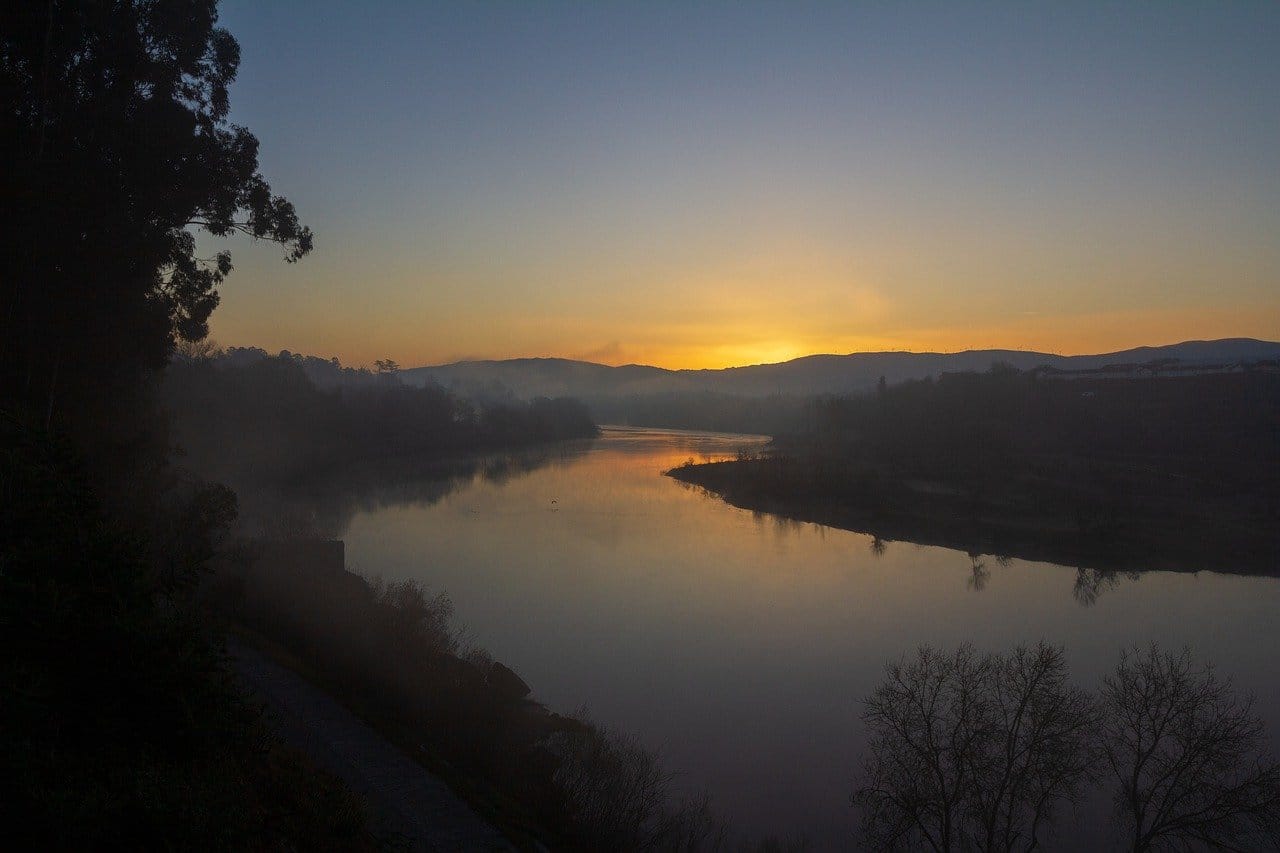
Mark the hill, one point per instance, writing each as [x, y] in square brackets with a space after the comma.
[813, 374]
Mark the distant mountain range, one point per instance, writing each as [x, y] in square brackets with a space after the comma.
[813, 374]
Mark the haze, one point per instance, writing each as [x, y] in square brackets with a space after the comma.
[713, 185]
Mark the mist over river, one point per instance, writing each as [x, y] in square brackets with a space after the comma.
[741, 645]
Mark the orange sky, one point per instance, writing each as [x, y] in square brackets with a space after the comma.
[592, 181]
[771, 308]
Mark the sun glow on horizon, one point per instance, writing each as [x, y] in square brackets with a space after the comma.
[857, 178]
[711, 346]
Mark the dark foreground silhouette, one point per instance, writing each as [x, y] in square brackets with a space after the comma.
[990, 752]
[121, 725]
[408, 806]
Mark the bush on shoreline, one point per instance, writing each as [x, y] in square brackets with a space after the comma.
[392, 652]
[122, 725]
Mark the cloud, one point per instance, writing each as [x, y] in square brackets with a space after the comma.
[610, 353]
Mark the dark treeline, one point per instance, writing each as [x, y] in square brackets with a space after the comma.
[966, 428]
[121, 726]
[264, 420]
[324, 372]
[1178, 472]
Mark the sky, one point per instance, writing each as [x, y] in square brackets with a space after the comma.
[708, 184]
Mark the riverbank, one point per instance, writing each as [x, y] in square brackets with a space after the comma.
[1009, 522]
[392, 656]
[410, 808]
[742, 647]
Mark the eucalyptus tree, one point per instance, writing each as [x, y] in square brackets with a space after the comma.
[118, 148]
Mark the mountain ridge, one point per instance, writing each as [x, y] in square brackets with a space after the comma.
[817, 373]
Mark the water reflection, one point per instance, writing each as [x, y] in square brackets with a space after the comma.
[1092, 583]
[978, 573]
[741, 646]
[323, 507]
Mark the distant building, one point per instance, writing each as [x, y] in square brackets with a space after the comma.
[1163, 368]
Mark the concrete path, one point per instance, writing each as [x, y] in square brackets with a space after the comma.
[409, 806]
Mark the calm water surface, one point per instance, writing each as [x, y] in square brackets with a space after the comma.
[741, 645]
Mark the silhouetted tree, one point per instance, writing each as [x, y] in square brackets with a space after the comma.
[1041, 753]
[973, 751]
[114, 132]
[614, 787]
[924, 721]
[191, 532]
[120, 727]
[1186, 753]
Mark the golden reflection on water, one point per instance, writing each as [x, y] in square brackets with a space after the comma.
[741, 643]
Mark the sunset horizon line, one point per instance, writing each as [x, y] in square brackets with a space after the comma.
[944, 351]
[897, 351]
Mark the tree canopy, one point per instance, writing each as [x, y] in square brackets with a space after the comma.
[118, 147]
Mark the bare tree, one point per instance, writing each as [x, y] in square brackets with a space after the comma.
[924, 722]
[973, 752]
[1187, 754]
[615, 789]
[691, 827]
[1041, 752]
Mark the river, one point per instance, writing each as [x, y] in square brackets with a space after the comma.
[740, 644]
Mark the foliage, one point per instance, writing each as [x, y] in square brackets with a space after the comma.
[1117, 474]
[115, 128]
[392, 652]
[616, 789]
[120, 719]
[1185, 434]
[268, 422]
[619, 795]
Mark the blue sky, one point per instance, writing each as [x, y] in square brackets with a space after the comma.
[703, 184]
